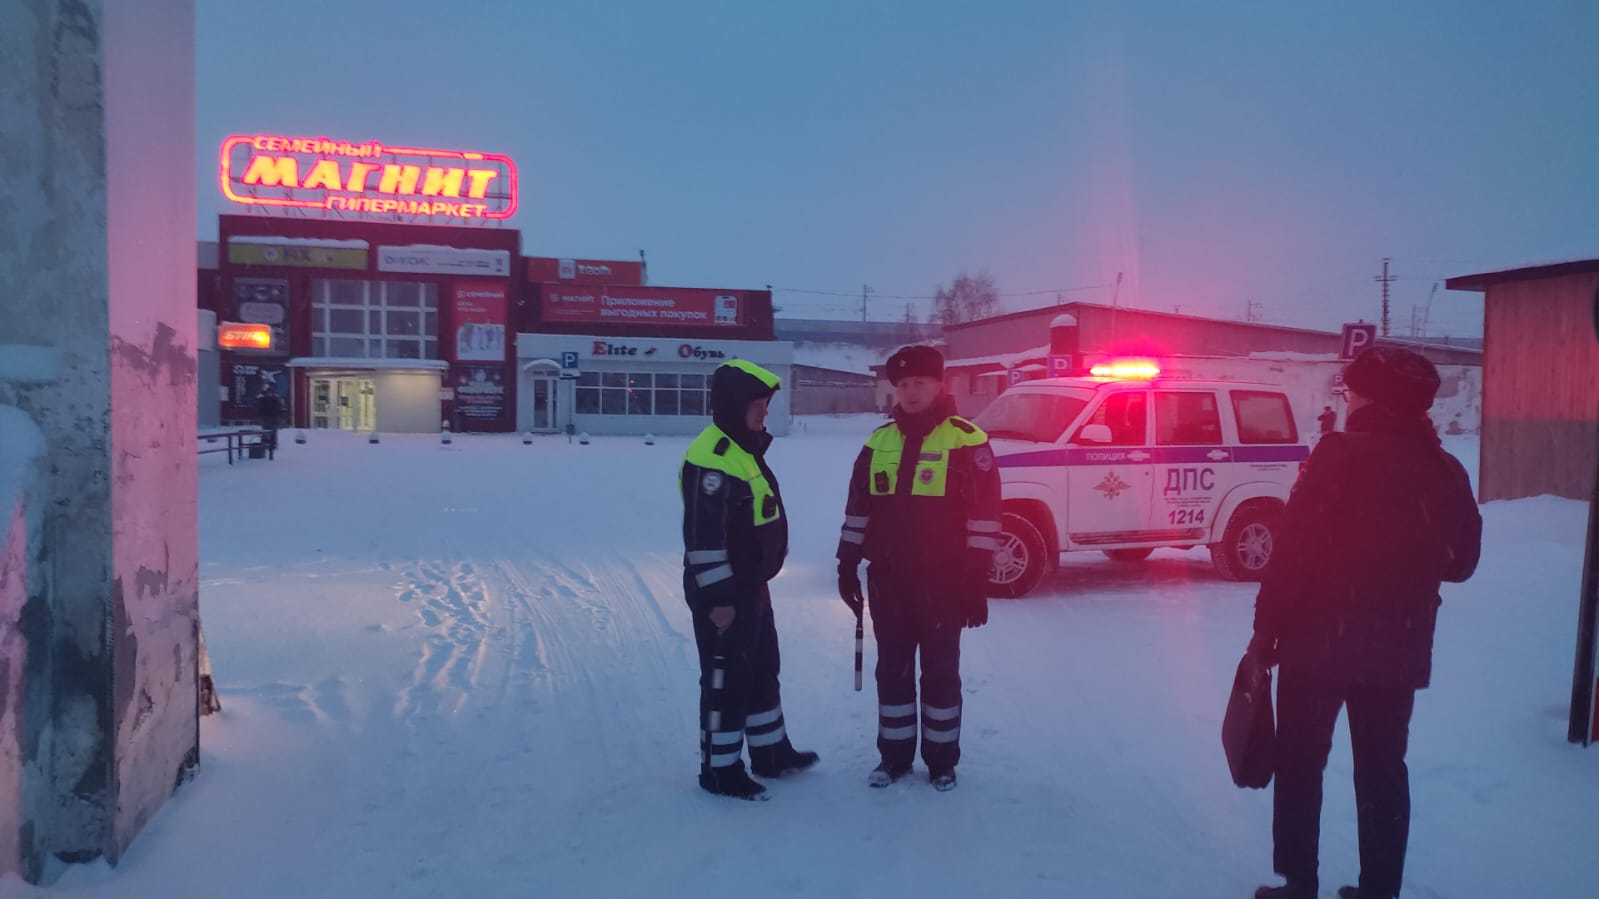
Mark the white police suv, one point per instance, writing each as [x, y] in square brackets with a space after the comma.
[1126, 461]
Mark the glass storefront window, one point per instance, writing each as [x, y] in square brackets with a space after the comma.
[403, 323]
[345, 321]
[402, 294]
[375, 319]
[344, 293]
[640, 393]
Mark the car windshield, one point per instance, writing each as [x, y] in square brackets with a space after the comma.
[1039, 417]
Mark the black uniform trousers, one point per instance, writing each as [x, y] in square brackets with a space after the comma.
[1379, 729]
[910, 613]
[740, 698]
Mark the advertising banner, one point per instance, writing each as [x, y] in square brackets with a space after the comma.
[660, 306]
[478, 310]
[585, 271]
[248, 381]
[259, 301]
[244, 253]
[287, 174]
[479, 392]
[444, 261]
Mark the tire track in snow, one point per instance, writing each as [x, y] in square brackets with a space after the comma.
[453, 603]
[610, 653]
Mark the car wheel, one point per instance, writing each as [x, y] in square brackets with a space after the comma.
[1129, 555]
[1020, 561]
[1246, 546]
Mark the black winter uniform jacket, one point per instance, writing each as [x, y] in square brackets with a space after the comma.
[1381, 516]
[718, 512]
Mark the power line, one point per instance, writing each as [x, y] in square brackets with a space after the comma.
[895, 296]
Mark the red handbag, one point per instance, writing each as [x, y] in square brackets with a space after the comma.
[1249, 729]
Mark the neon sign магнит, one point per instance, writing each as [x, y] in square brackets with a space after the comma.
[340, 176]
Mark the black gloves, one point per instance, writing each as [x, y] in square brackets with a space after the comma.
[975, 600]
[849, 586]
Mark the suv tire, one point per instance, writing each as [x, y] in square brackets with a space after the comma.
[1246, 546]
[1022, 559]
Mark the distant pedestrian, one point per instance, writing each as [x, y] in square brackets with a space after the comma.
[269, 411]
[1328, 419]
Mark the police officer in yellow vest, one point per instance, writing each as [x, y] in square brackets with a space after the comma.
[923, 511]
[735, 536]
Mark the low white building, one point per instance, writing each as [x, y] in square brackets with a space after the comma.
[634, 385]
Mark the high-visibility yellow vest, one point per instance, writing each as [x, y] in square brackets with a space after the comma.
[932, 466]
[714, 450]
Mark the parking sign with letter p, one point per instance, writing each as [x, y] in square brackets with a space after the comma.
[1357, 337]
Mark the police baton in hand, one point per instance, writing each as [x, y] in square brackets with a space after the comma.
[860, 637]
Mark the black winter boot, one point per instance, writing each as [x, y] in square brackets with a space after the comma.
[780, 760]
[885, 774]
[942, 779]
[1288, 890]
[732, 781]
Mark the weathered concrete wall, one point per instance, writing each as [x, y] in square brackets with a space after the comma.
[53, 259]
[149, 126]
[96, 249]
[24, 596]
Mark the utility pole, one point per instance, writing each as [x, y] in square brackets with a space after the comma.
[866, 338]
[1385, 279]
[1115, 297]
[1426, 315]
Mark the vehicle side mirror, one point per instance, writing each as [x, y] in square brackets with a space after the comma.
[1094, 434]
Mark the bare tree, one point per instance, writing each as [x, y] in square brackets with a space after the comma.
[967, 298]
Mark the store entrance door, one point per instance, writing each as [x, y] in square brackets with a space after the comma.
[347, 404]
[544, 402]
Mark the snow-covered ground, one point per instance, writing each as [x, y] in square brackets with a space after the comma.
[468, 671]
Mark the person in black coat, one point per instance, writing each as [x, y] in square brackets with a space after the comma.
[268, 409]
[1381, 516]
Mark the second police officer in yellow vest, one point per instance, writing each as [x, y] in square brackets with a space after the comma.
[923, 511]
[735, 537]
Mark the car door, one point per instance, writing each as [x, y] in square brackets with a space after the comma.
[1193, 464]
[1109, 485]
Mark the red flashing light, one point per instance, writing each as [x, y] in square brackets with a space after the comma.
[1128, 369]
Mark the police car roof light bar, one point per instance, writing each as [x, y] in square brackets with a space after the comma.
[1130, 369]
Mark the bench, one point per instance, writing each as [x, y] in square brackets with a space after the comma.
[238, 442]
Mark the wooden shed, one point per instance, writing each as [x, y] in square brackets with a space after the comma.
[1540, 402]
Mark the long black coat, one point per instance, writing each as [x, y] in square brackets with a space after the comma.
[1381, 516]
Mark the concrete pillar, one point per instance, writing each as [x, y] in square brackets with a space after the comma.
[97, 243]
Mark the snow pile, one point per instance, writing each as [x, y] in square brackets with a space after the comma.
[468, 671]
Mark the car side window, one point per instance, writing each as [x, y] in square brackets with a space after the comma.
[1188, 418]
[1264, 418]
[1126, 415]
